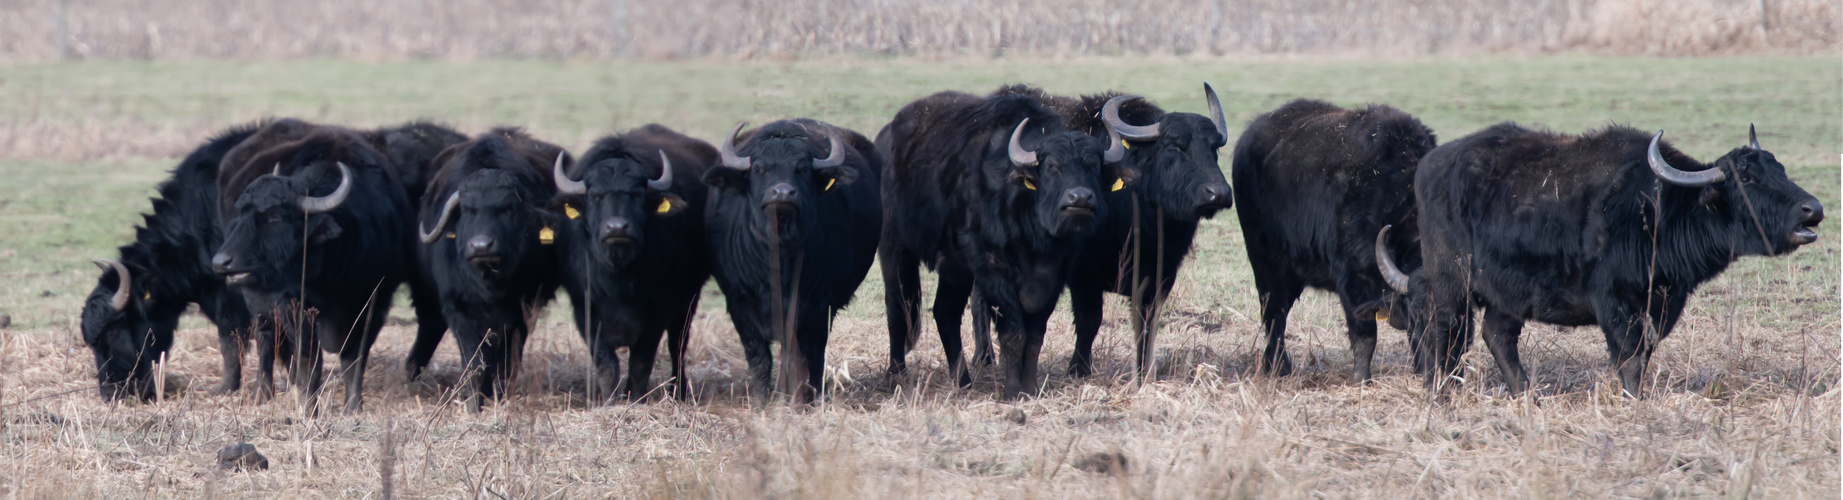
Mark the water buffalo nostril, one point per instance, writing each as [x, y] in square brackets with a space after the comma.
[480, 243]
[220, 262]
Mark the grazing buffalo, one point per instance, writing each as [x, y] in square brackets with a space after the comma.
[634, 254]
[994, 188]
[128, 321]
[1315, 183]
[487, 247]
[1150, 223]
[317, 235]
[1612, 228]
[793, 225]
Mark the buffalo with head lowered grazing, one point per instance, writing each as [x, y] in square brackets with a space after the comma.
[1314, 183]
[994, 188]
[633, 251]
[317, 235]
[487, 248]
[1613, 228]
[793, 225]
[1137, 249]
[129, 319]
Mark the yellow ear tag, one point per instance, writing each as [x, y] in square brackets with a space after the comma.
[147, 295]
[1028, 185]
[665, 205]
[1382, 315]
[546, 236]
[1123, 144]
[829, 184]
[451, 236]
[1119, 184]
[570, 210]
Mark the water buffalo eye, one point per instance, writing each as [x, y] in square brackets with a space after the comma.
[1746, 179]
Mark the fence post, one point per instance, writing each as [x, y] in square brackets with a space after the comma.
[63, 31]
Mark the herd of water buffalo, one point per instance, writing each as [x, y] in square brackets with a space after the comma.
[297, 235]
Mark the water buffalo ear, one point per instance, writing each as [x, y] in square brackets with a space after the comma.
[1709, 195]
[844, 174]
[323, 230]
[726, 178]
[1126, 176]
[665, 204]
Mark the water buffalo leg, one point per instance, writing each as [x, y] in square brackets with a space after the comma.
[901, 300]
[982, 331]
[754, 332]
[677, 329]
[1085, 304]
[1501, 334]
[640, 359]
[949, 303]
[1276, 304]
[431, 323]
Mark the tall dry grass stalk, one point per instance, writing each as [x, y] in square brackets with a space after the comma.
[471, 29]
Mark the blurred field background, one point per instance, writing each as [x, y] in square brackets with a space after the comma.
[475, 29]
[1743, 398]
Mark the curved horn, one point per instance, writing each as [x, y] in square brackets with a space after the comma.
[1753, 140]
[1215, 111]
[1019, 156]
[1672, 175]
[278, 170]
[836, 157]
[1110, 113]
[664, 182]
[1116, 147]
[564, 184]
[730, 158]
[1386, 264]
[118, 301]
[430, 235]
[320, 204]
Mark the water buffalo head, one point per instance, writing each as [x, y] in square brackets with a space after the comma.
[1060, 176]
[276, 218]
[618, 194]
[1177, 157]
[117, 327]
[782, 171]
[1767, 213]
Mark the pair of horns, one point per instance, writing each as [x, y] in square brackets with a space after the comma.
[736, 161]
[1391, 274]
[1110, 113]
[1685, 178]
[119, 301]
[1116, 150]
[567, 186]
[322, 204]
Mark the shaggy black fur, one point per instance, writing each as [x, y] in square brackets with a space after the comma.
[324, 280]
[1314, 184]
[1566, 230]
[169, 263]
[488, 264]
[826, 222]
[956, 203]
[634, 258]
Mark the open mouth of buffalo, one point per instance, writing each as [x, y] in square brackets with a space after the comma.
[619, 240]
[1211, 208]
[481, 260]
[1806, 232]
[1078, 211]
[242, 278]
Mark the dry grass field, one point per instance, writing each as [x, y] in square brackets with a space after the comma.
[1743, 399]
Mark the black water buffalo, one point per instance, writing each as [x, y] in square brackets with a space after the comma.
[412, 148]
[1151, 222]
[793, 224]
[1315, 183]
[129, 319]
[994, 188]
[1612, 228]
[634, 253]
[487, 247]
[317, 235]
